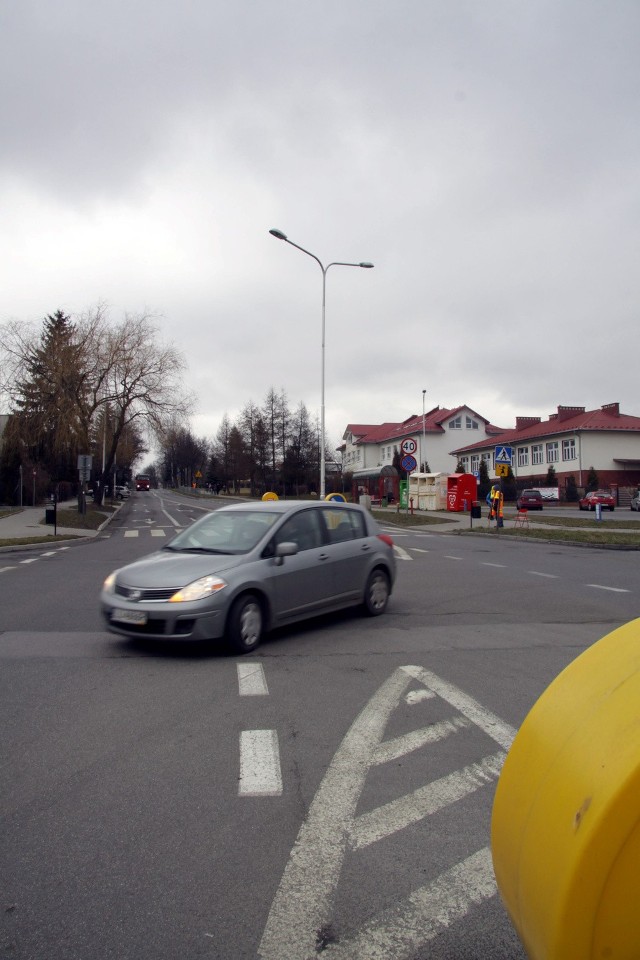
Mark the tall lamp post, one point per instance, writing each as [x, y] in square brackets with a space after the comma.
[336, 263]
[423, 433]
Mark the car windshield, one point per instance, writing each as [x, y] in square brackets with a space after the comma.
[225, 531]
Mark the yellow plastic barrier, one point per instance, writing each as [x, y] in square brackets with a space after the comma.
[270, 496]
[566, 816]
[339, 497]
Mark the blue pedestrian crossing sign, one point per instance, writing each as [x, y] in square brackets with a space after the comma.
[504, 455]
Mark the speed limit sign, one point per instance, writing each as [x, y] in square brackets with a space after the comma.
[409, 445]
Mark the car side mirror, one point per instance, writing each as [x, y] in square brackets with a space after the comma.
[286, 549]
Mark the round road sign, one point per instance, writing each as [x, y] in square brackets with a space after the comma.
[409, 445]
[409, 463]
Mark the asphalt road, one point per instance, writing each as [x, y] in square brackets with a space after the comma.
[328, 796]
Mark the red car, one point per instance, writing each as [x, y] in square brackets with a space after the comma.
[590, 500]
[529, 500]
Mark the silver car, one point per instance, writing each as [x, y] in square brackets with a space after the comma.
[245, 569]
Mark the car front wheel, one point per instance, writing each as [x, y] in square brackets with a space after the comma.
[376, 593]
[246, 624]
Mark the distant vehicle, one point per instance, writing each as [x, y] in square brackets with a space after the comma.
[635, 503]
[143, 482]
[122, 491]
[529, 500]
[590, 500]
[245, 569]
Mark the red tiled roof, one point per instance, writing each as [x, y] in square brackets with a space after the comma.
[565, 420]
[433, 420]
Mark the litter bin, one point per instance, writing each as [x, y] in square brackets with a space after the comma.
[50, 515]
[476, 511]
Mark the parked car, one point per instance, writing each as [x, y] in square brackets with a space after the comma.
[529, 500]
[122, 492]
[590, 500]
[635, 502]
[244, 569]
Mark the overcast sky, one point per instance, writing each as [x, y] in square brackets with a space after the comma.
[484, 155]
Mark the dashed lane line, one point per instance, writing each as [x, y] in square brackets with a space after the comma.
[600, 586]
[260, 774]
[538, 573]
[251, 680]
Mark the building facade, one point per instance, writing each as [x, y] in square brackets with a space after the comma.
[573, 440]
[368, 450]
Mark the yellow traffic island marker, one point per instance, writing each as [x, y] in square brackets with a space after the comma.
[566, 815]
[338, 497]
[270, 495]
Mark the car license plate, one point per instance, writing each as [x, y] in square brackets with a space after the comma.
[135, 617]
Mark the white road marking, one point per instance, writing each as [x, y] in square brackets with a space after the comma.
[51, 553]
[449, 557]
[424, 914]
[31, 560]
[536, 573]
[260, 774]
[503, 733]
[599, 586]
[131, 533]
[485, 563]
[251, 680]
[401, 746]
[382, 822]
[158, 533]
[417, 696]
[400, 553]
[2, 569]
[419, 550]
[302, 904]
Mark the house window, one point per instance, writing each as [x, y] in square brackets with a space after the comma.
[475, 462]
[464, 463]
[569, 449]
[471, 424]
[523, 456]
[552, 452]
[537, 454]
[455, 424]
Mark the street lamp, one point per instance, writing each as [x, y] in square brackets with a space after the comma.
[336, 263]
[423, 432]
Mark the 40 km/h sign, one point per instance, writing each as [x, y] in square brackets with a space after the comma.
[409, 445]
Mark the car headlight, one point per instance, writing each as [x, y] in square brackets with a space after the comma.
[199, 589]
[109, 586]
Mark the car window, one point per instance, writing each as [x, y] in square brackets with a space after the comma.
[225, 532]
[343, 524]
[303, 529]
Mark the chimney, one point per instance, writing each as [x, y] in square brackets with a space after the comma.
[523, 422]
[613, 409]
[565, 413]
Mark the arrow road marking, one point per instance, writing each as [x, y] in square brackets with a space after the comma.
[302, 905]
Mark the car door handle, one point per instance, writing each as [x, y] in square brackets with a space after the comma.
[365, 546]
[323, 556]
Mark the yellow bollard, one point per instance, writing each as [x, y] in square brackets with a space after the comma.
[566, 815]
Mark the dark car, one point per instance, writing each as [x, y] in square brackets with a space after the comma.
[590, 500]
[244, 569]
[529, 500]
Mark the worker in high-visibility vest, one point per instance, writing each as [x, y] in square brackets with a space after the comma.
[497, 503]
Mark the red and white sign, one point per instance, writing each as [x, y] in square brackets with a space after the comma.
[409, 445]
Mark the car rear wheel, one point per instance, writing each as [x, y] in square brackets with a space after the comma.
[246, 623]
[376, 593]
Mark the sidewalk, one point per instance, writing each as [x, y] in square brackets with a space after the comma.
[29, 522]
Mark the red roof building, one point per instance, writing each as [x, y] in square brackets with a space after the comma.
[572, 440]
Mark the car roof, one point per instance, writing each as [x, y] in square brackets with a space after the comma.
[287, 506]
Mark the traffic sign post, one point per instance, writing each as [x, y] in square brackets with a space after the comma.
[409, 463]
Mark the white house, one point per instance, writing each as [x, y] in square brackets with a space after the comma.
[369, 449]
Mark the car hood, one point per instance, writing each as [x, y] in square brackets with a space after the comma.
[169, 569]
